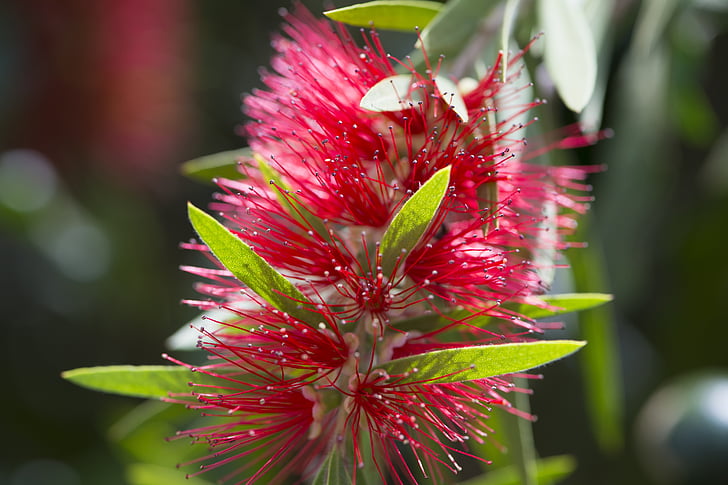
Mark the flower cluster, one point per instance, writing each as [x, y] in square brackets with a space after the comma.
[316, 202]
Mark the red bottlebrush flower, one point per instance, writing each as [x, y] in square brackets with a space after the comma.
[315, 204]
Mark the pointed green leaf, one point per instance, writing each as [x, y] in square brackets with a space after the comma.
[479, 362]
[562, 303]
[147, 381]
[548, 470]
[413, 219]
[223, 165]
[248, 267]
[569, 51]
[393, 93]
[566, 303]
[332, 471]
[404, 15]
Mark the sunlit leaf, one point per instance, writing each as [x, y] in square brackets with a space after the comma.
[392, 15]
[565, 303]
[148, 381]
[569, 52]
[479, 362]
[248, 267]
[548, 470]
[413, 219]
[333, 471]
[393, 93]
[222, 165]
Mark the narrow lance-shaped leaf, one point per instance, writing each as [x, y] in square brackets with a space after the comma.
[561, 303]
[565, 303]
[332, 471]
[601, 374]
[479, 362]
[569, 51]
[147, 381]
[549, 470]
[249, 267]
[413, 219]
[223, 165]
[402, 15]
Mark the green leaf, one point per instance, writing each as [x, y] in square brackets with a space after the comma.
[601, 371]
[401, 15]
[223, 165]
[413, 219]
[479, 362]
[451, 30]
[548, 470]
[563, 303]
[332, 471]
[147, 381]
[393, 93]
[139, 433]
[248, 267]
[569, 51]
[566, 303]
[149, 474]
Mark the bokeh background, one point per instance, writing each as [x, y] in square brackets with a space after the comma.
[100, 102]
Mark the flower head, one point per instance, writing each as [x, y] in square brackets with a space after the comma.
[317, 203]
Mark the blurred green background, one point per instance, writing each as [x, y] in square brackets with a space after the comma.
[100, 102]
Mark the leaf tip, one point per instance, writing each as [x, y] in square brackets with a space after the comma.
[193, 210]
